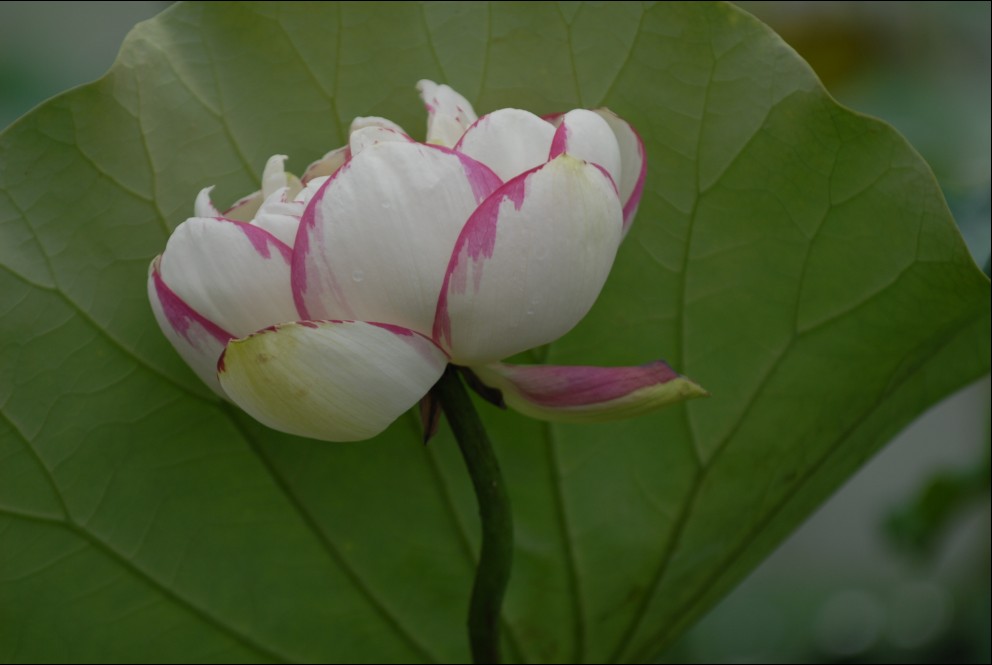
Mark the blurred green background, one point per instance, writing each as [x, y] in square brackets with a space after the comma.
[896, 566]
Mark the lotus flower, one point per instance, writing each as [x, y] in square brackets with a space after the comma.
[329, 305]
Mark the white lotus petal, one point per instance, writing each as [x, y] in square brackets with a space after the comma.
[204, 206]
[530, 262]
[326, 165]
[280, 217]
[375, 240]
[235, 274]
[633, 163]
[586, 135]
[198, 340]
[366, 136]
[508, 141]
[448, 113]
[362, 122]
[336, 381]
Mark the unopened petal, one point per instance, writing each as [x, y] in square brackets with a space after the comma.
[586, 135]
[634, 164]
[588, 394]
[508, 141]
[235, 274]
[375, 240]
[448, 113]
[530, 262]
[198, 340]
[336, 381]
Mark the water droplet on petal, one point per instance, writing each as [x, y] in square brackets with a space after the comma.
[386, 204]
[357, 275]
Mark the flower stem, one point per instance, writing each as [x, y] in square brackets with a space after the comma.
[496, 557]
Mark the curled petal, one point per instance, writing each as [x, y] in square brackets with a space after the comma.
[588, 394]
[529, 263]
[374, 241]
[586, 135]
[633, 167]
[448, 113]
[330, 380]
[198, 340]
[204, 206]
[235, 274]
[274, 177]
[508, 141]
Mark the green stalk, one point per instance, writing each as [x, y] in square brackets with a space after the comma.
[496, 557]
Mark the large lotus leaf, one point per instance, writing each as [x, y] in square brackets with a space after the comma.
[793, 257]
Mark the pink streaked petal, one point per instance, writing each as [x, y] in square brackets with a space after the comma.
[374, 241]
[634, 165]
[588, 394]
[448, 113]
[235, 274]
[197, 339]
[364, 137]
[330, 380]
[586, 135]
[508, 141]
[529, 263]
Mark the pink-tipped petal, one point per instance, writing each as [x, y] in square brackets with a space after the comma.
[335, 381]
[448, 113]
[198, 340]
[235, 274]
[586, 135]
[364, 137]
[508, 141]
[530, 262]
[634, 165]
[375, 240]
[588, 394]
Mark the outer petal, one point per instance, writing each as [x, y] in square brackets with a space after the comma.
[634, 165]
[584, 134]
[337, 381]
[198, 340]
[530, 262]
[234, 274]
[508, 141]
[448, 113]
[588, 394]
[375, 240]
